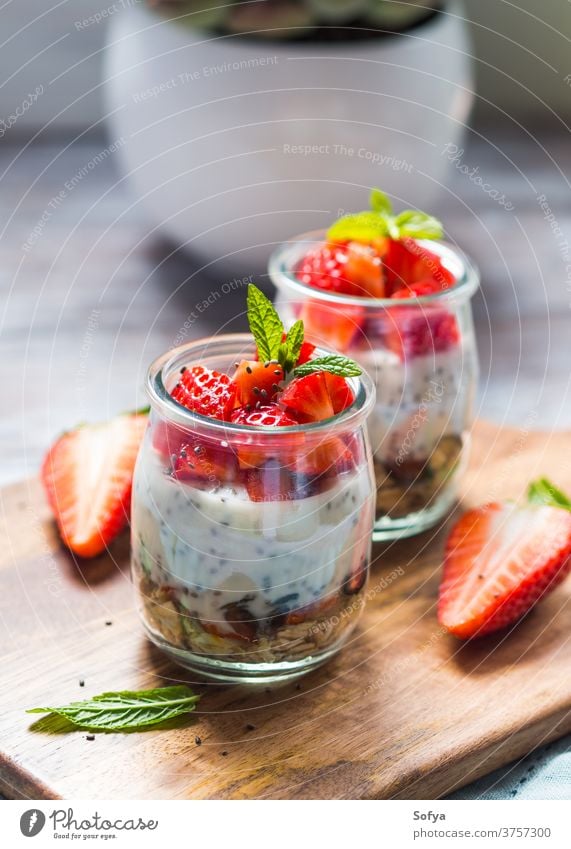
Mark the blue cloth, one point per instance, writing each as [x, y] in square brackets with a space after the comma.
[544, 774]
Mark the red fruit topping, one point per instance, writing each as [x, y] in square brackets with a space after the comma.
[87, 475]
[333, 325]
[340, 392]
[500, 560]
[416, 331]
[348, 269]
[206, 392]
[204, 460]
[308, 398]
[267, 416]
[318, 458]
[406, 263]
[256, 381]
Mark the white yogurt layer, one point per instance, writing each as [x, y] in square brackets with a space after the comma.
[218, 547]
[418, 401]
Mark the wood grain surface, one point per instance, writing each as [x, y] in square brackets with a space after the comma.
[404, 712]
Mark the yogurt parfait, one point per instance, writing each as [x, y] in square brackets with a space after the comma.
[253, 502]
[385, 290]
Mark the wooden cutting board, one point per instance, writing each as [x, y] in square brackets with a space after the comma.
[403, 712]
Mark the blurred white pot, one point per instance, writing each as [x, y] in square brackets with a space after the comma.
[235, 144]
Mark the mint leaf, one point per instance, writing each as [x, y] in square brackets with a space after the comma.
[291, 346]
[127, 709]
[265, 324]
[379, 222]
[419, 225]
[362, 227]
[332, 363]
[542, 491]
[380, 202]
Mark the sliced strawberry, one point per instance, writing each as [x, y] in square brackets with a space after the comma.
[347, 268]
[270, 416]
[364, 268]
[87, 475]
[256, 381]
[406, 263]
[340, 392]
[308, 398]
[333, 325]
[415, 331]
[319, 458]
[206, 392]
[204, 460]
[323, 267]
[500, 560]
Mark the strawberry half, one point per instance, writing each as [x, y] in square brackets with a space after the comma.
[87, 475]
[257, 382]
[206, 392]
[308, 398]
[500, 560]
[340, 392]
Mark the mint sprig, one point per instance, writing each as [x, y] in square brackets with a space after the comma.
[265, 324]
[332, 363]
[127, 709]
[380, 222]
[542, 491]
[291, 346]
[268, 332]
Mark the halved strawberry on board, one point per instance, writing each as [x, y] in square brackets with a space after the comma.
[500, 560]
[87, 475]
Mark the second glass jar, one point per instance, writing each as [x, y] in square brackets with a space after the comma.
[421, 355]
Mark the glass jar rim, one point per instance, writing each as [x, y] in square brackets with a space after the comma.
[233, 344]
[285, 257]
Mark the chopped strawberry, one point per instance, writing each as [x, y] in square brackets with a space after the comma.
[500, 560]
[206, 392]
[87, 475]
[318, 458]
[271, 416]
[340, 392]
[256, 381]
[323, 267]
[205, 460]
[348, 269]
[415, 331]
[308, 398]
[332, 324]
[406, 263]
[364, 268]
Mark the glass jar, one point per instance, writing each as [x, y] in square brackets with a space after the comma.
[421, 356]
[250, 546]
